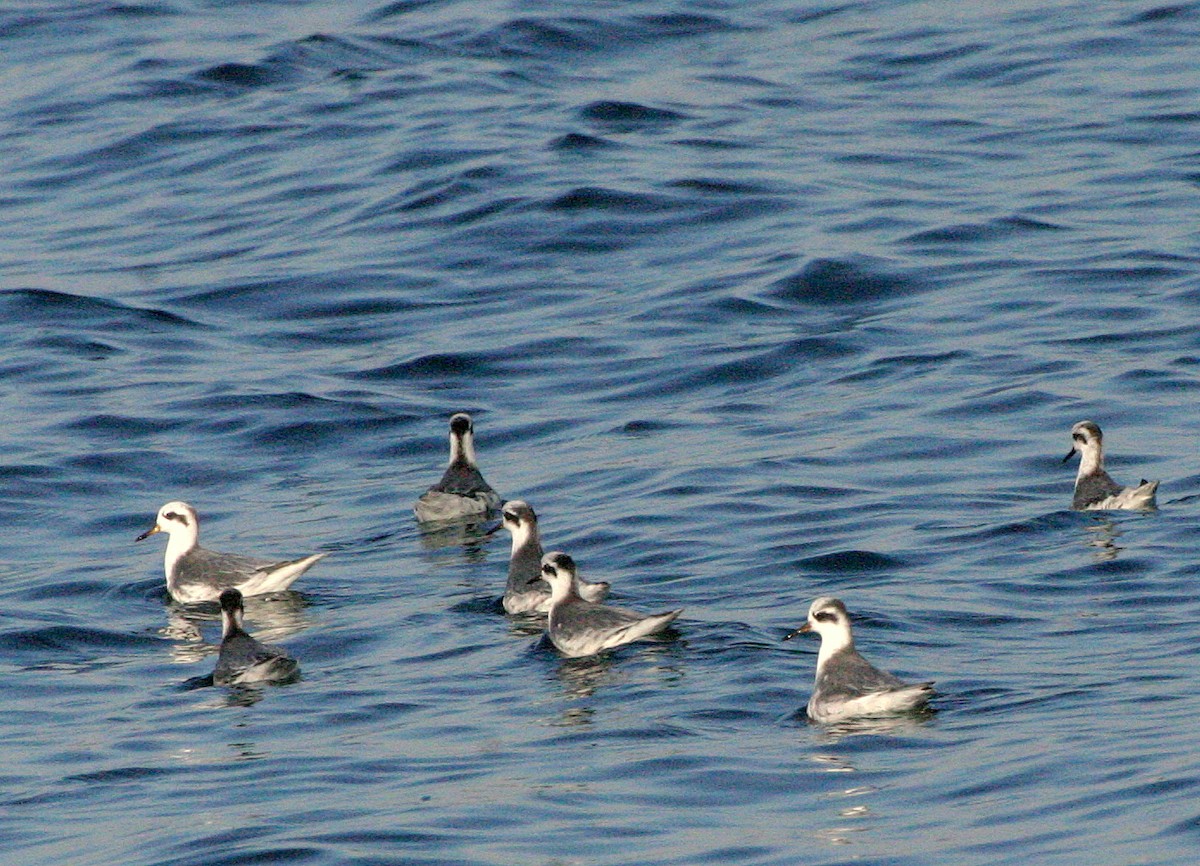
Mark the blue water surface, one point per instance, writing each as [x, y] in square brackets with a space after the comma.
[753, 302]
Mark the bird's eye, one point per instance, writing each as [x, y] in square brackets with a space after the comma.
[1078, 437]
[547, 569]
[825, 616]
[170, 515]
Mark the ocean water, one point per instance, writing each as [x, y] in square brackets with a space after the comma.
[753, 302]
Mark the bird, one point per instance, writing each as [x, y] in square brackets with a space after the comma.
[243, 660]
[462, 493]
[525, 591]
[1094, 488]
[847, 685]
[582, 628]
[195, 574]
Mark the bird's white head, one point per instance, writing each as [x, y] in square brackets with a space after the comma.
[518, 518]
[177, 519]
[558, 570]
[828, 618]
[232, 610]
[1088, 442]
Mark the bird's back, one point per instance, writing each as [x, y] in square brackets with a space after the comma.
[245, 660]
[849, 685]
[1095, 488]
[584, 627]
[202, 574]
[463, 479]
[847, 673]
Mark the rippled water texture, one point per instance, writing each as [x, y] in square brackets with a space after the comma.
[754, 302]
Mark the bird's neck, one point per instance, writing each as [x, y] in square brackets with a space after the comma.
[462, 450]
[522, 536]
[561, 590]
[231, 624]
[178, 544]
[832, 644]
[1091, 461]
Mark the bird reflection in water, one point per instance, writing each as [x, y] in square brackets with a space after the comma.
[241, 695]
[471, 537]
[581, 678]
[909, 723]
[850, 808]
[1101, 536]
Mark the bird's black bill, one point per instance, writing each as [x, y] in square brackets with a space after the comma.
[804, 628]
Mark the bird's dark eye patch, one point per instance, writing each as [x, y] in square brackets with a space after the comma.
[825, 616]
[547, 569]
[1078, 437]
[170, 515]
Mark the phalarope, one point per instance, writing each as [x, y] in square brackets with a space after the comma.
[525, 591]
[1094, 488]
[847, 685]
[462, 492]
[243, 660]
[195, 574]
[583, 628]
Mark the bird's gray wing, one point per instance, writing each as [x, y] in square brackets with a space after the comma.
[1095, 488]
[582, 614]
[240, 652]
[848, 674]
[222, 569]
[525, 570]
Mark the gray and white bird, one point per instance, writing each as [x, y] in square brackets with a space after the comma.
[462, 493]
[847, 685]
[582, 628]
[243, 660]
[1094, 488]
[525, 591]
[195, 574]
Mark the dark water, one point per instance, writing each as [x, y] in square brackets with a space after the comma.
[754, 302]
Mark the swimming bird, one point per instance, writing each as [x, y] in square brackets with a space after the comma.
[195, 574]
[847, 685]
[462, 492]
[243, 660]
[526, 592]
[583, 628]
[1095, 488]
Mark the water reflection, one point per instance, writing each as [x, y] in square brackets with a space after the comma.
[470, 536]
[575, 717]
[1101, 535]
[909, 723]
[239, 696]
[852, 801]
[581, 678]
[247, 751]
[231, 696]
[526, 625]
[848, 807]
